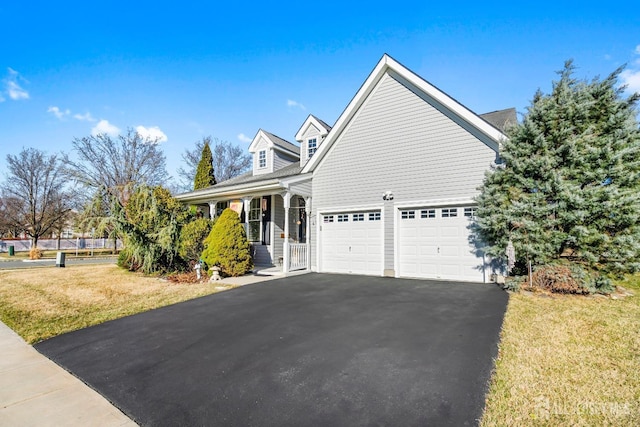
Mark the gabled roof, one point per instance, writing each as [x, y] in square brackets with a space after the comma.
[387, 65]
[274, 141]
[322, 122]
[312, 120]
[501, 119]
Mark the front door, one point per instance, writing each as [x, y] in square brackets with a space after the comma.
[266, 220]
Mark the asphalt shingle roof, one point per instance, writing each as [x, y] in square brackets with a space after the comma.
[283, 143]
[323, 123]
[501, 119]
[292, 169]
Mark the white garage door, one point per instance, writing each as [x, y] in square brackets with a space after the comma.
[351, 242]
[433, 243]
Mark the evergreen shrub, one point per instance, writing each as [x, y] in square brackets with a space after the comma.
[192, 238]
[227, 246]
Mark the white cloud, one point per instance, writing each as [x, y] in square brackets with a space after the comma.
[13, 88]
[631, 78]
[103, 126]
[153, 133]
[295, 104]
[86, 117]
[244, 138]
[58, 112]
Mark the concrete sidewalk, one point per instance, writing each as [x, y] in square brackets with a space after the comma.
[34, 391]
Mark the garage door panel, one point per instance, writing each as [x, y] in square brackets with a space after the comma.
[450, 232]
[353, 245]
[426, 232]
[450, 251]
[428, 250]
[435, 244]
[428, 271]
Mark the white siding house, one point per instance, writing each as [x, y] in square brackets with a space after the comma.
[388, 190]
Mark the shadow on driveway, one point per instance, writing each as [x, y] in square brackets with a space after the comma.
[314, 349]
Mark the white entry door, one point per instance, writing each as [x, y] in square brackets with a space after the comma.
[433, 243]
[351, 242]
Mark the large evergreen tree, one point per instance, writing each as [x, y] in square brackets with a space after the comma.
[205, 176]
[568, 186]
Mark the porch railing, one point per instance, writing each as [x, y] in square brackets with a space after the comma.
[297, 256]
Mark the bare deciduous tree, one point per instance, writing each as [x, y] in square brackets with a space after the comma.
[34, 194]
[117, 165]
[7, 228]
[229, 161]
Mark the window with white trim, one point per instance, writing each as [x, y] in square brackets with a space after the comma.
[328, 218]
[262, 159]
[449, 212]
[470, 212]
[408, 214]
[312, 146]
[358, 217]
[428, 213]
[343, 218]
[374, 216]
[255, 215]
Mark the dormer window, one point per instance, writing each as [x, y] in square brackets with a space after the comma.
[262, 159]
[312, 145]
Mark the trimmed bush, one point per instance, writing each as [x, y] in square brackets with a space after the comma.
[192, 238]
[227, 246]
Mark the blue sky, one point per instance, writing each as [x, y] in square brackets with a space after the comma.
[184, 70]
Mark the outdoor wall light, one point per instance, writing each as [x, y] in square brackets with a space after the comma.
[387, 196]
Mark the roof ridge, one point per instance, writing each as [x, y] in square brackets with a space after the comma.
[322, 122]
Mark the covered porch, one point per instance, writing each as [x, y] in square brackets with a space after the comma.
[276, 219]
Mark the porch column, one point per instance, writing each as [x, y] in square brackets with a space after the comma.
[286, 197]
[246, 206]
[212, 208]
[307, 210]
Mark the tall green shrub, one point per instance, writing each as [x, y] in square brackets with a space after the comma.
[227, 246]
[150, 224]
[205, 176]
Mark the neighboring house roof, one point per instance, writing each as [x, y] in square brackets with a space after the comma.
[409, 79]
[501, 119]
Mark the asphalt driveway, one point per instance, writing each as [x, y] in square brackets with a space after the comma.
[314, 349]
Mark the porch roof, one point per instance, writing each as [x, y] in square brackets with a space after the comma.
[244, 184]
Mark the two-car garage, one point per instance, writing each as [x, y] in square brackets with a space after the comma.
[431, 242]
